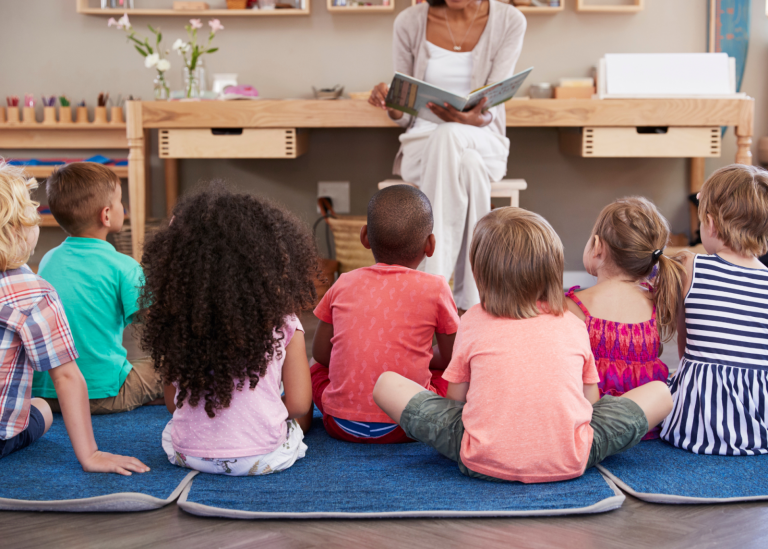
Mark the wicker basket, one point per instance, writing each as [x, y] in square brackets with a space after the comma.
[122, 240]
[350, 252]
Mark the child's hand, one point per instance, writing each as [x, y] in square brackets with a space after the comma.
[103, 462]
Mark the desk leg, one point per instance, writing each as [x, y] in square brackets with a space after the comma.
[147, 174]
[744, 131]
[171, 184]
[694, 186]
[136, 175]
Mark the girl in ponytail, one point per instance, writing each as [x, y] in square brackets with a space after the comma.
[634, 305]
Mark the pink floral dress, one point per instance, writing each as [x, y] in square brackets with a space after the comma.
[626, 355]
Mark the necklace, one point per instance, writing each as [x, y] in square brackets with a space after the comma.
[455, 47]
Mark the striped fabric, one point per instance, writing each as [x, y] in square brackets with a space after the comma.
[34, 335]
[365, 430]
[720, 390]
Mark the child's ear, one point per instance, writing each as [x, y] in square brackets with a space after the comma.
[105, 217]
[364, 237]
[429, 247]
[597, 247]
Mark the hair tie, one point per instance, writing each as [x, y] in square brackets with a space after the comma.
[657, 254]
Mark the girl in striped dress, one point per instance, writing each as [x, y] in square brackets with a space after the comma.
[626, 317]
[720, 390]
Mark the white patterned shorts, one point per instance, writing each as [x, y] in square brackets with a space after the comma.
[279, 459]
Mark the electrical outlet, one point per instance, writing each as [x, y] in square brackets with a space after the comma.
[338, 192]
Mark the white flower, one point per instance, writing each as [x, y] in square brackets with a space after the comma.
[123, 22]
[180, 46]
[215, 25]
[111, 22]
[163, 65]
[196, 23]
[151, 60]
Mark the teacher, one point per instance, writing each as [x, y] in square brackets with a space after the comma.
[452, 156]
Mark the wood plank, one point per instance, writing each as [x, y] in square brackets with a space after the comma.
[45, 171]
[310, 113]
[115, 12]
[37, 138]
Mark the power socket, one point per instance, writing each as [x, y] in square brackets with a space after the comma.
[338, 192]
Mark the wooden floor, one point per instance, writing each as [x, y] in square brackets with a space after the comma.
[636, 524]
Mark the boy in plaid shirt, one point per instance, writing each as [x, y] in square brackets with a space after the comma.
[35, 336]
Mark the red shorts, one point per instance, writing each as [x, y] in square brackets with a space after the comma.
[320, 382]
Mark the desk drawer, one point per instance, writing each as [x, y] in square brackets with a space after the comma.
[677, 142]
[232, 143]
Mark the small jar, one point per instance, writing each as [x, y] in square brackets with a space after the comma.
[81, 115]
[65, 115]
[28, 115]
[13, 115]
[100, 115]
[117, 115]
[49, 115]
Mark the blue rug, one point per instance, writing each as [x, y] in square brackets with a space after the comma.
[345, 480]
[658, 472]
[47, 476]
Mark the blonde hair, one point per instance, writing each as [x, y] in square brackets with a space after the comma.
[18, 214]
[517, 260]
[632, 229]
[736, 197]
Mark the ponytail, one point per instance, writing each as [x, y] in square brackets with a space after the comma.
[667, 294]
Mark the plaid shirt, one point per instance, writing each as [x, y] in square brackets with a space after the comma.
[34, 335]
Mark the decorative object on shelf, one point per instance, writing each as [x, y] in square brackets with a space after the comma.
[575, 88]
[28, 114]
[192, 53]
[223, 80]
[49, 110]
[267, 4]
[81, 115]
[154, 57]
[114, 4]
[65, 111]
[13, 109]
[729, 31]
[231, 93]
[595, 7]
[328, 93]
[190, 6]
[541, 91]
[237, 4]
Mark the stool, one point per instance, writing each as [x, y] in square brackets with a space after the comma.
[506, 188]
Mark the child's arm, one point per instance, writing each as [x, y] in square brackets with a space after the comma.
[321, 345]
[457, 391]
[592, 393]
[682, 332]
[169, 396]
[297, 382]
[73, 399]
[442, 352]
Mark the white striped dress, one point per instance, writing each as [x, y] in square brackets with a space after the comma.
[720, 390]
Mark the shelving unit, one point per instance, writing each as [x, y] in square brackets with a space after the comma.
[528, 10]
[45, 171]
[589, 6]
[84, 7]
[361, 9]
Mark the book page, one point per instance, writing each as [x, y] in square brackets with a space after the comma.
[411, 96]
[499, 92]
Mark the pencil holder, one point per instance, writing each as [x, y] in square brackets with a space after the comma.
[2, 115]
[117, 115]
[82, 115]
[100, 115]
[28, 115]
[49, 115]
[65, 115]
[13, 115]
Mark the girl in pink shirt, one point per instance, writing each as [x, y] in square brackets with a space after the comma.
[224, 284]
[522, 401]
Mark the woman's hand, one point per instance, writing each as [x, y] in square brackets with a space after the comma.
[474, 117]
[378, 99]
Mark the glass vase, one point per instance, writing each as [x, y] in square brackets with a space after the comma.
[202, 76]
[191, 84]
[162, 92]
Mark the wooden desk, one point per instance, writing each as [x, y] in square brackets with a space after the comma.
[302, 114]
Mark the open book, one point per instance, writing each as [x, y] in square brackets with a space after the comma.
[411, 96]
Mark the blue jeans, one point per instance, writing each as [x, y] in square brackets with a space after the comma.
[32, 433]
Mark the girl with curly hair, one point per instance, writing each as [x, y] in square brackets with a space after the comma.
[225, 282]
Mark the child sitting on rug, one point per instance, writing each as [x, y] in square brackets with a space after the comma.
[99, 288]
[720, 389]
[35, 337]
[522, 402]
[626, 317]
[224, 285]
[382, 318]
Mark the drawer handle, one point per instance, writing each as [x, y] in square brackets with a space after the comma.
[227, 131]
[652, 129]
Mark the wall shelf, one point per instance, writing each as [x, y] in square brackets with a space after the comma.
[361, 9]
[45, 171]
[84, 7]
[589, 7]
[528, 10]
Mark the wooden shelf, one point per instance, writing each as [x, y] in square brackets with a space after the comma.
[45, 171]
[47, 220]
[63, 126]
[360, 9]
[589, 7]
[528, 10]
[84, 7]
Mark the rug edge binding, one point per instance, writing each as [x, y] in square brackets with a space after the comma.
[671, 499]
[119, 502]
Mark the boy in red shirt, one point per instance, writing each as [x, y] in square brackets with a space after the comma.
[381, 319]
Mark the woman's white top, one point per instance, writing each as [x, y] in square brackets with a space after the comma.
[449, 70]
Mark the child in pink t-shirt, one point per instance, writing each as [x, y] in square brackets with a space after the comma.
[224, 283]
[522, 401]
[382, 318]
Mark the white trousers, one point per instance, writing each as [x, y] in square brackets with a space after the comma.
[454, 165]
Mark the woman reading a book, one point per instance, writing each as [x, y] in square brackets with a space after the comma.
[452, 156]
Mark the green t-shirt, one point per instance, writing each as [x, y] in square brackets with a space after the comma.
[99, 288]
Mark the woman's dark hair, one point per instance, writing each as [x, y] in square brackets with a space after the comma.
[436, 3]
[220, 281]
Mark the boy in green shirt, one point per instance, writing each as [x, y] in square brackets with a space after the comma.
[99, 288]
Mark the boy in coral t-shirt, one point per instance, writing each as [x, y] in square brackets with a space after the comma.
[381, 319]
[522, 401]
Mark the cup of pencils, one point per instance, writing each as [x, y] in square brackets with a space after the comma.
[81, 113]
[13, 109]
[100, 112]
[65, 110]
[28, 114]
[49, 109]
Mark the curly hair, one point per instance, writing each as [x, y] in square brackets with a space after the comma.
[220, 280]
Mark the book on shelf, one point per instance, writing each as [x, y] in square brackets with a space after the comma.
[410, 95]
